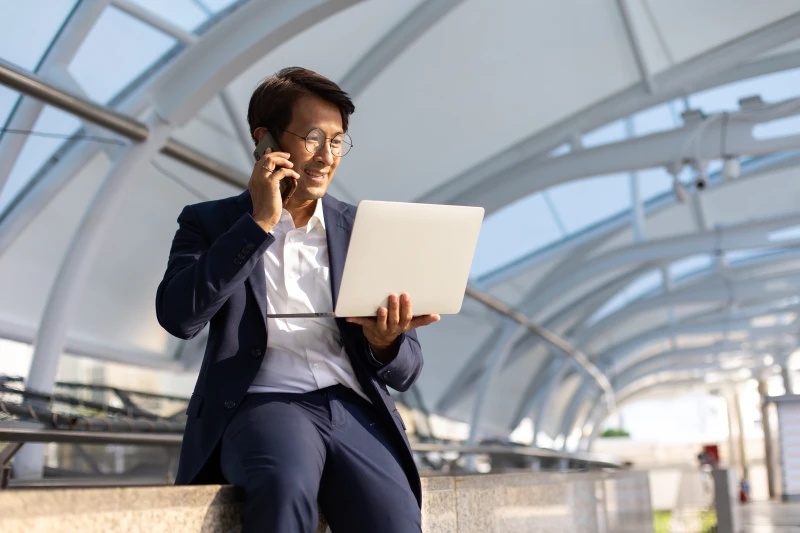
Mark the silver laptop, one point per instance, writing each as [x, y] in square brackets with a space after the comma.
[424, 250]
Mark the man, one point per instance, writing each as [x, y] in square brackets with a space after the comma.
[292, 411]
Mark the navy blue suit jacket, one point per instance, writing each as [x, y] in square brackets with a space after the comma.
[216, 275]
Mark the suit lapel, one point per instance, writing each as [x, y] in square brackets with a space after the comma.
[337, 228]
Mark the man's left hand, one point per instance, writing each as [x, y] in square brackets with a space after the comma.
[383, 330]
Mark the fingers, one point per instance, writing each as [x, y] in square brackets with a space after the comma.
[272, 160]
[393, 313]
[405, 311]
[424, 320]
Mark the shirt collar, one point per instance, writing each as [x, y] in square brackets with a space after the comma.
[317, 219]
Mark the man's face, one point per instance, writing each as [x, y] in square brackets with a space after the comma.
[316, 170]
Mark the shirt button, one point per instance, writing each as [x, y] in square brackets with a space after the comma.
[256, 352]
[229, 404]
[315, 365]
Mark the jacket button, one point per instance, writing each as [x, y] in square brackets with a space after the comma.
[387, 375]
[229, 404]
[237, 261]
[256, 352]
[250, 246]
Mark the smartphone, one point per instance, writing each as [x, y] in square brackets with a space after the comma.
[288, 185]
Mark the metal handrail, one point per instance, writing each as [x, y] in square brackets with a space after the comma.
[33, 85]
[174, 440]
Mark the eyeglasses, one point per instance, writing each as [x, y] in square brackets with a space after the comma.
[340, 143]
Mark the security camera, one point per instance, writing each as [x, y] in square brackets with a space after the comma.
[700, 182]
[701, 176]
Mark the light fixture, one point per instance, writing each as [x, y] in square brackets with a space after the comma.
[731, 168]
[681, 194]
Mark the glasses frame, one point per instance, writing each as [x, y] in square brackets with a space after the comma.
[345, 139]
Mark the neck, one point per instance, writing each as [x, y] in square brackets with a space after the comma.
[301, 211]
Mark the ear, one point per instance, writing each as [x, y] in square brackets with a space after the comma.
[259, 132]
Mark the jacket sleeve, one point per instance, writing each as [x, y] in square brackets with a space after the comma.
[201, 275]
[402, 371]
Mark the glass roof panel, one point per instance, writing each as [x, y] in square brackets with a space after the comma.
[687, 266]
[7, 100]
[640, 286]
[512, 232]
[585, 202]
[656, 119]
[37, 151]
[215, 5]
[124, 46]
[777, 128]
[610, 133]
[186, 14]
[653, 182]
[771, 87]
[27, 29]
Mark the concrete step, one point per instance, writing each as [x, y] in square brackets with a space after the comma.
[526, 502]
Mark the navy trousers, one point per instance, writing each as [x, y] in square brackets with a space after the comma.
[289, 451]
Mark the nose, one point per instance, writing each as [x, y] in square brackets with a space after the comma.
[324, 154]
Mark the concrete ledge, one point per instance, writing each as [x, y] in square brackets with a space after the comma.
[527, 502]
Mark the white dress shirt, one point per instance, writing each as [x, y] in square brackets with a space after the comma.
[303, 354]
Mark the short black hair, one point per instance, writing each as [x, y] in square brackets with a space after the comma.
[271, 103]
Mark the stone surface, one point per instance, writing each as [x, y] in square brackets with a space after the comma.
[526, 502]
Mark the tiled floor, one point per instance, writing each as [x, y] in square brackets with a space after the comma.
[771, 517]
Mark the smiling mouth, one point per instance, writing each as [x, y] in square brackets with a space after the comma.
[316, 176]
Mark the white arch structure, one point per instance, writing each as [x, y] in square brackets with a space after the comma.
[564, 287]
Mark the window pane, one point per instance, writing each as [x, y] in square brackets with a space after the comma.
[8, 99]
[116, 50]
[28, 27]
[639, 287]
[777, 128]
[610, 133]
[688, 266]
[585, 202]
[512, 232]
[771, 87]
[654, 182]
[37, 151]
[654, 120]
[185, 14]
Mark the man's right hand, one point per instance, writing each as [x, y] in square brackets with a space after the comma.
[265, 190]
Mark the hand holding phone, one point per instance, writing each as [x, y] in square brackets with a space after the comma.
[271, 184]
[289, 184]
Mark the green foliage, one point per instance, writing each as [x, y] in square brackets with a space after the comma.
[662, 519]
[610, 432]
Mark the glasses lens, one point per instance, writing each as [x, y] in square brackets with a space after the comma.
[314, 140]
[341, 144]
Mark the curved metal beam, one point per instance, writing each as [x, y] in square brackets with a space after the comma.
[179, 92]
[624, 354]
[695, 74]
[57, 57]
[721, 291]
[693, 141]
[230, 47]
[747, 235]
[394, 43]
[646, 385]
